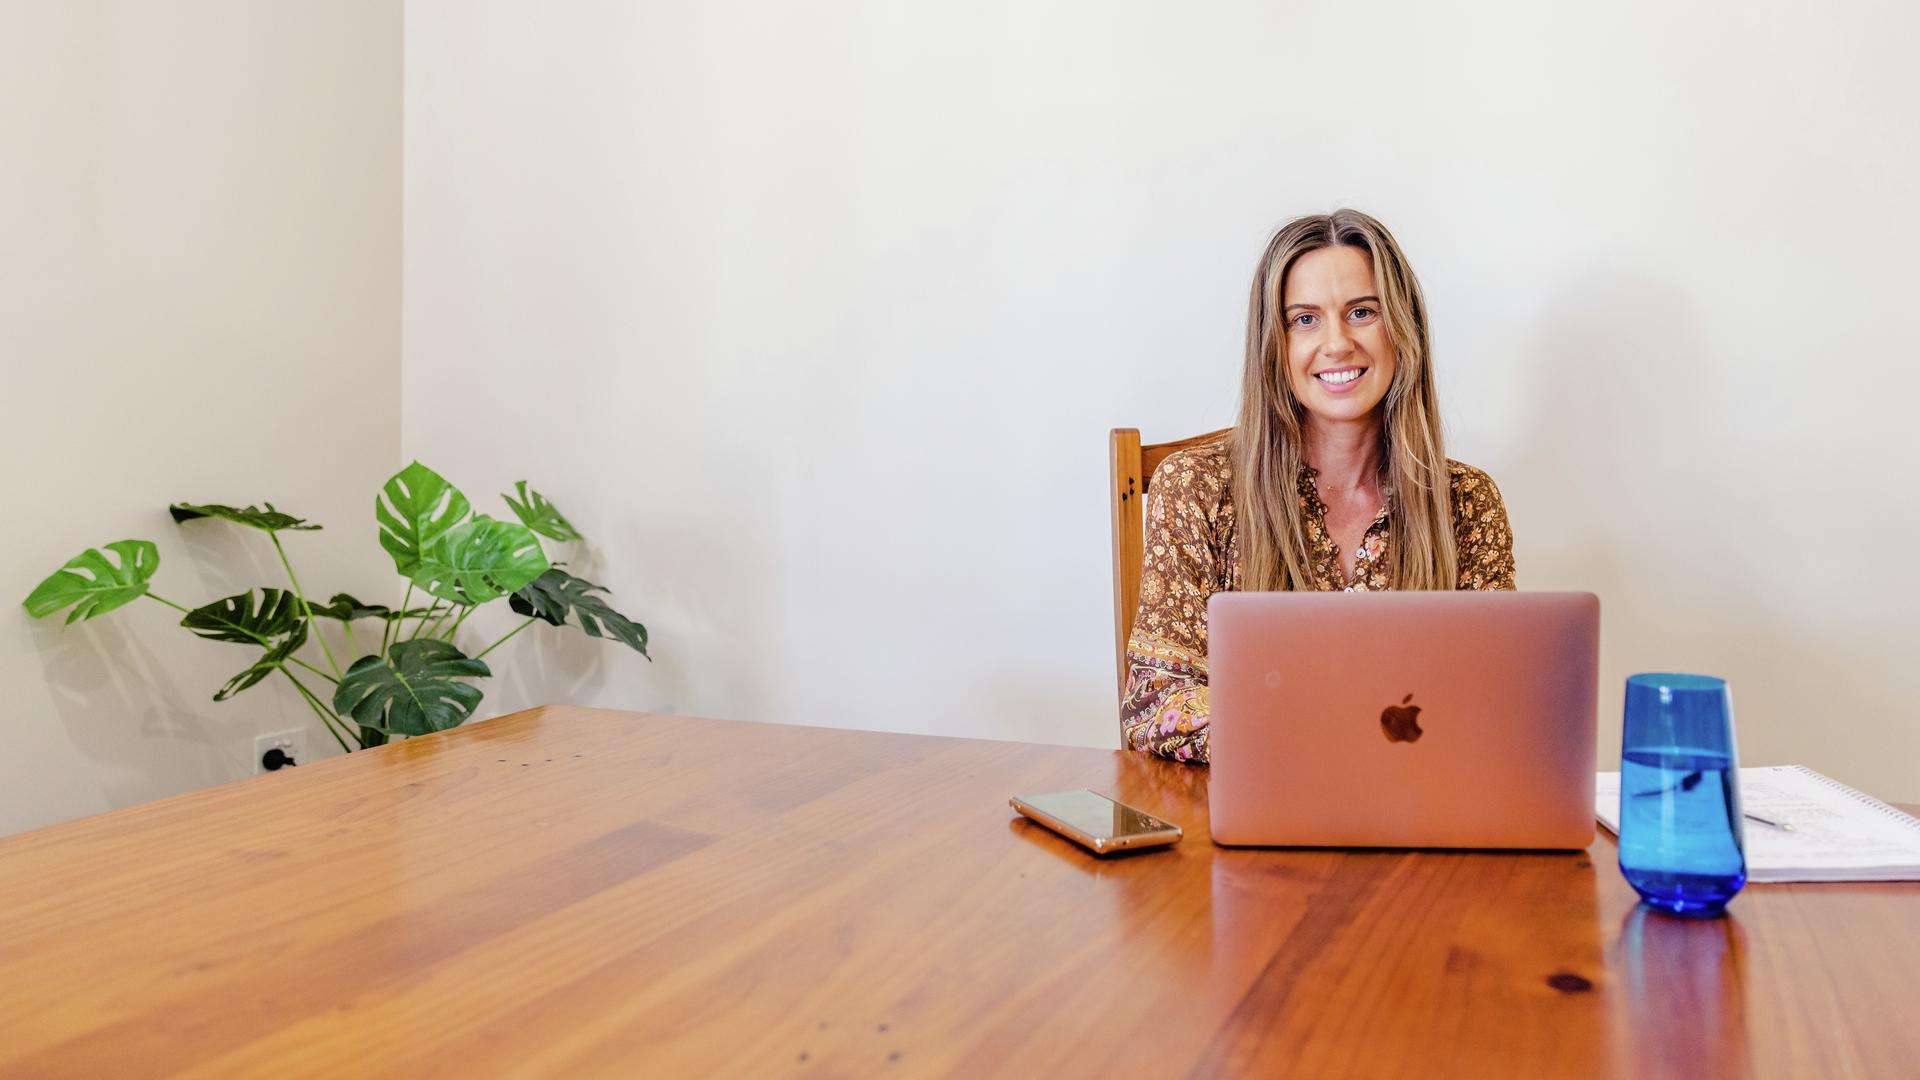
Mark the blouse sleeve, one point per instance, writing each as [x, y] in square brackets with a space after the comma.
[1480, 533]
[1165, 709]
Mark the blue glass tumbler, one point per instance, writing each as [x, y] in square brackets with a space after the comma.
[1682, 847]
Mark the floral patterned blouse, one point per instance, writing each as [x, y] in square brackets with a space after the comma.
[1191, 554]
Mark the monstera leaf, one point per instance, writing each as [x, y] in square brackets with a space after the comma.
[415, 508]
[346, 609]
[268, 520]
[271, 661]
[239, 620]
[95, 585]
[536, 513]
[480, 561]
[553, 594]
[415, 692]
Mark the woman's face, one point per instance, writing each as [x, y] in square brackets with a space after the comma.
[1338, 359]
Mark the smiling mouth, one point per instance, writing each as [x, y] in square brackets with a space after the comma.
[1339, 377]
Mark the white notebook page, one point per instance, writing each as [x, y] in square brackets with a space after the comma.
[1839, 834]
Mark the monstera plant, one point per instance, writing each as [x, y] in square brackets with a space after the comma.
[415, 680]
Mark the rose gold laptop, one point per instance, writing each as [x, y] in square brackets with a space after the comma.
[1403, 719]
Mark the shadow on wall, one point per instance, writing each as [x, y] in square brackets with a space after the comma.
[137, 702]
[1602, 445]
[549, 665]
[123, 712]
[1639, 485]
[545, 669]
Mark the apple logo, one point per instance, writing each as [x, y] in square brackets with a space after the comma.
[1401, 722]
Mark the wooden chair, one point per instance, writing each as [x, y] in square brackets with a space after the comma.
[1131, 466]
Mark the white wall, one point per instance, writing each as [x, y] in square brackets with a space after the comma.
[816, 320]
[199, 300]
[816, 317]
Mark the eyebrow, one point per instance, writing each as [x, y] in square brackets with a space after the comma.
[1315, 307]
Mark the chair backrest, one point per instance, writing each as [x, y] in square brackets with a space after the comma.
[1131, 467]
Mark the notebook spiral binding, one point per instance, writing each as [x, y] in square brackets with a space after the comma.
[1861, 797]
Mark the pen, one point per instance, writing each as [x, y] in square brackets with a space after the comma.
[1781, 825]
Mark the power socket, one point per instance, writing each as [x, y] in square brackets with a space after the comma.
[291, 743]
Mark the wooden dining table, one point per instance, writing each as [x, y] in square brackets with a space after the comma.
[580, 892]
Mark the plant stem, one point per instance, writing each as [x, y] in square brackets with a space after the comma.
[388, 629]
[314, 632]
[319, 710]
[464, 612]
[315, 670]
[434, 630]
[305, 611]
[169, 603]
[327, 713]
[430, 622]
[530, 621]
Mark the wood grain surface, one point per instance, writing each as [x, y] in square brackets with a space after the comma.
[580, 892]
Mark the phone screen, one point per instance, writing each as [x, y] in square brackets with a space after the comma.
[1095, 814]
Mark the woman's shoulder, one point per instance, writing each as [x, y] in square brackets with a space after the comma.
[1472, 488]
[1465, 477]
[1200, 472]
[1480, 530]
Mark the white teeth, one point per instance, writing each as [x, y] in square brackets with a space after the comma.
[1338, 377]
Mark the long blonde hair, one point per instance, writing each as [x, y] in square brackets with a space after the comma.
[1266, 443]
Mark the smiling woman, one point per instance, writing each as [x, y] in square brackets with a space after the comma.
[1334, 478]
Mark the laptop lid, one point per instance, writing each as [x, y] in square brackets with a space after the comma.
[1403, 719]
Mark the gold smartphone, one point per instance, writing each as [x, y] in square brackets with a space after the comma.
[1096, 822]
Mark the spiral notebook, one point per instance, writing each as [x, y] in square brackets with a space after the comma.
[1831, 832]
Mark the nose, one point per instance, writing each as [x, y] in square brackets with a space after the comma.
[1338, 343]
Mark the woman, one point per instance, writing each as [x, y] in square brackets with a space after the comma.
[1334, 477]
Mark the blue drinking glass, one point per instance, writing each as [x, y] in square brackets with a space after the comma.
[1682, 847]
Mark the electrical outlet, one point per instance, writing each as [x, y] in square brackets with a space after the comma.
[291, 743]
